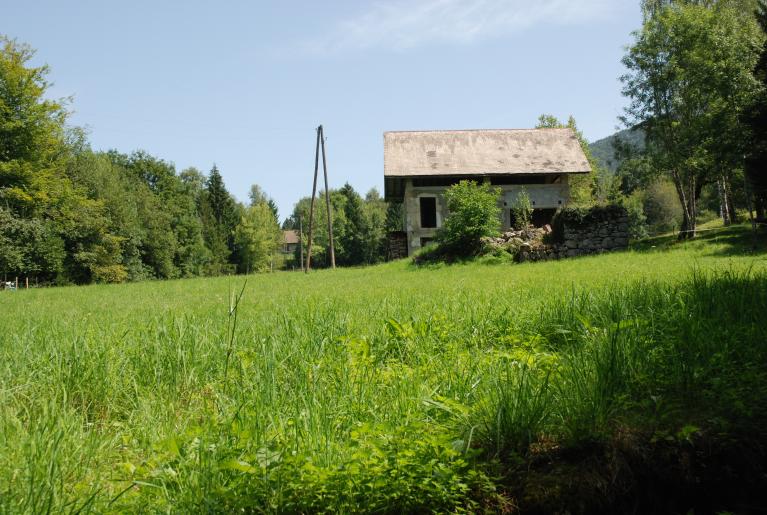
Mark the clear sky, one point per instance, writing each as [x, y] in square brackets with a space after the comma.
[245, 83]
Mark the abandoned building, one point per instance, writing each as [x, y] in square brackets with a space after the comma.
[289, 242]
[420, 165]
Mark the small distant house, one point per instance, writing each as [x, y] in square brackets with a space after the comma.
[289, 242]
[420, 165]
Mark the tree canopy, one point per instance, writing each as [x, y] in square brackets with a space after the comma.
[690, 77]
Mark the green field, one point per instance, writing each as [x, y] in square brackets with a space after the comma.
[382, 389]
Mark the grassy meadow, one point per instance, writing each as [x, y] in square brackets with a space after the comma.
[382, 389]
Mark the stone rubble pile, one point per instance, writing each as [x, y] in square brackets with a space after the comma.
[525, 245]
[601, 230]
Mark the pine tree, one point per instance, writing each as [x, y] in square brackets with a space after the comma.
[219, 217]
[351, 238]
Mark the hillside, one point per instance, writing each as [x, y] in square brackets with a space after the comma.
[625, 382]
[604, 151]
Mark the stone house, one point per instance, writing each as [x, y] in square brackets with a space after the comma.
[420, 165]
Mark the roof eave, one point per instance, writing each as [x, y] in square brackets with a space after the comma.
[479, 174]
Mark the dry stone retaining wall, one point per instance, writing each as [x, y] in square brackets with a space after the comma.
[576, 232]
[599, 229]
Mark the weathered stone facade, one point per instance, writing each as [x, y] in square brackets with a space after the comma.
[549, 196]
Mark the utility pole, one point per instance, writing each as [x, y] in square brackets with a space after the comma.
[327, 199]
[320, 141]
[311, 206]
[301, 240]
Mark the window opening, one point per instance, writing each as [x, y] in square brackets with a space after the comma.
[428, 212]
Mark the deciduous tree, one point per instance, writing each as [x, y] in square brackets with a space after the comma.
[582, 187]
[756, 118]
[690, 76]
[257, 236]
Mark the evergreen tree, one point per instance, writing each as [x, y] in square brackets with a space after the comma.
[219, 199]
[219, 214]
[351, 237]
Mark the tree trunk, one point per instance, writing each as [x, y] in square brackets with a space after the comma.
[724, 209]
[687, 199]
[730, 204]
[695, 190]
[689, 222]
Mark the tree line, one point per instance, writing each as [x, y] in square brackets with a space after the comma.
[360, 226]
[697, 85]
[69, 214]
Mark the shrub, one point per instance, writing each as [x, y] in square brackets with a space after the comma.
[637, 218]
[741, 215]
[707, 215]
[662, 208]
[473, 214]
[522, 210]
[110, 274]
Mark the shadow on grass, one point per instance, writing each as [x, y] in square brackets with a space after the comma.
[738, 240]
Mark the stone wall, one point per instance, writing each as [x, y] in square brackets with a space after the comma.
[578, 232]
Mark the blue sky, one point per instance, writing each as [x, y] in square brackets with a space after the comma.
[244, 84]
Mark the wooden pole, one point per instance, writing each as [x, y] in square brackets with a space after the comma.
[311, 206]
[327, 200]
[26, 283]
[301, 240]
[17, 283]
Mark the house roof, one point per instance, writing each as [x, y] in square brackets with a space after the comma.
[483, 152]
[289, 237]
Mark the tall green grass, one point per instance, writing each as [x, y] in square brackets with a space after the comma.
[388, 389]
[696, 349]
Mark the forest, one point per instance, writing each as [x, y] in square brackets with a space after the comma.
[72, 215]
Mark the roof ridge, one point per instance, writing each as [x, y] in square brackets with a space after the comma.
[482, 130]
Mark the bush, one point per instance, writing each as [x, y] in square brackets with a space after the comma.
[637, 218]
[110, 274]
[522, 210]
[742, 215]
[707, 215]
[473, 214]
[662, 208]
